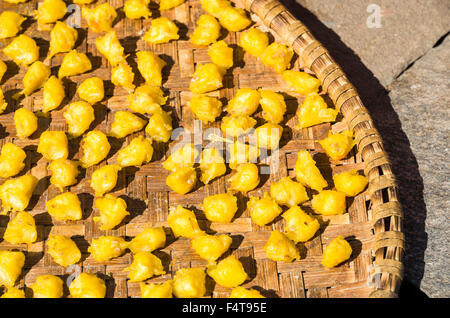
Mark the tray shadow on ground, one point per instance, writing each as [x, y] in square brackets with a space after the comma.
[404, 164]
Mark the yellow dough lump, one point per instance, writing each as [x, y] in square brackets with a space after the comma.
[162, 30]
[215, 7]
[64, 172]
[349, 182]
[169, 4]
[144, 266]
[240, 153]
[136, 9]
[63, 250]
[280, 248]
[11, 264]
[307, 172]
[150, 66]
[10, 24]
[221, 54]
[95, 147]
[182, 180]
[313, 111]
[87, 286]
[112, 211]
[23, 50]
[183, 157]
[21, 229]
[147, 99]
[50, 11]
[245, 179]
[212, 165]
[211, 247]
[159, 126]
[106, 248]
[79, 116]
[263, 210]
[273, 105]
[35, 77]
[148, 240]
[53, 95]
[64, 207]
[299, 226]
[254, 42]
[99, 18]
[277, 56]
[125, 123]
[237, 125]
[301, 82]
[163, 290]
[74, 63]
[329, 202]
[110, 47]
[338, 251]
[11, 160]
[288, 192]
[234, 19]
[62, 38]
[245, 102]
[47, 286]
[189, 283]
[229, 272]
[241, 292]
[205, 108]
[268, 135]
[91, 90]
[337, 146]
[53, 145]
[104, 179]
[16, 193]
[183, 222]
[13, 292]
[138, 152]
[122, 75]
[206, 78]
[220, 207]
[207, 30]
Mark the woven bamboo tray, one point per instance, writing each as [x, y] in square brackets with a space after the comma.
[373, 224]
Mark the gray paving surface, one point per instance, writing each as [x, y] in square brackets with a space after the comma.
[409, 105]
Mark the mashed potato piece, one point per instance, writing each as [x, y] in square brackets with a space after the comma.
[23, 50]
[21, 229]
[63, 250]
[183, 157]
[263, 210]
[104, 179]
[148, 240]
[307, 172]
[12, 159]
[337, 146]
[254, 42]
[11, 264]
[10, 24]
[245, 102]
[211, 247]
[147, 99]
[136, 9]
[74, 63]
[54, 94]
[16, 193]
[62, 38]
[47, 286]
[122, 75]
[50, 11]
[138, 152]
[288, 192]
[277, 56]
[313, 111]
[145, 265]
[125, 123]
[162, 30]
[65, 207]
[273, 105]
[336, 252]
[13, 292]
[169, 4]
[329, 202]
[53, 145]
[112, 211]
[212, 165]
[183, 222]
[159, 126]
[221, 54]
[207, 30]
[349, 182]
[299, 226]
[234, 19]
[110, 47]
[106, 248]
[35, 77]
[150, 66]
[205, 108]
[163, 290]
[245, 179]
[241, 292]
[91, 90]
[189, 283]
[207, 77]
[64, 173]
[301, 82]
[99, 18]
[280, 248]
[237, 125]
[229, 272]
[268, 136]
[95, 147]
[87, 286]
[79, 116]
[215, 7]
[220, 207]
[182, 180]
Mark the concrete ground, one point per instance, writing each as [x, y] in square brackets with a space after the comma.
[397, 54]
